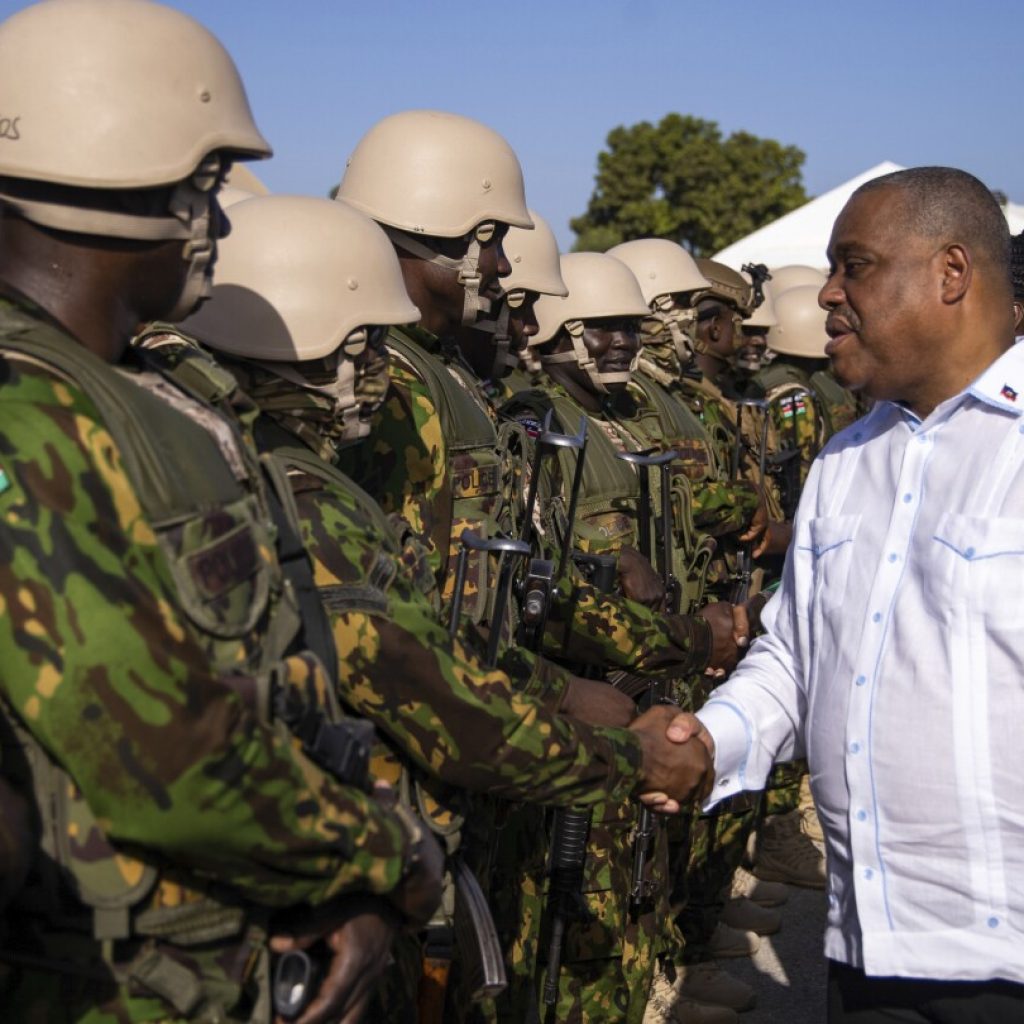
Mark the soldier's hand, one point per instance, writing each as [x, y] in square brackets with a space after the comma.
[759, 524]
[639, 580]
[357, 932]
[728, 634]
[673, 772]
[774, 541]
[597, 703]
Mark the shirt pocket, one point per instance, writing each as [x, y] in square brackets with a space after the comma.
[829, 543]
[978, 567]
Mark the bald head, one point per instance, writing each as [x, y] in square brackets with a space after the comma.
[948, 205]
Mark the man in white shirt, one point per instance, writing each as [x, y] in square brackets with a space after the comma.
[893, 653]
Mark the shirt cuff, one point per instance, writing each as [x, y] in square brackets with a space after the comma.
[731, 733]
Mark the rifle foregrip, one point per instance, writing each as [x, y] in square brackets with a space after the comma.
[568, 856]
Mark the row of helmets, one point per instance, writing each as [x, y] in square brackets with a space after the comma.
[419, 175]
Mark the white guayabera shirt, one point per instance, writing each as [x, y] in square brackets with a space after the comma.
[894, 656]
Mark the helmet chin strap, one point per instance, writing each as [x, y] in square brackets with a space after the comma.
[504, 359]
[676, 320]
[468, 267]
[585, 361]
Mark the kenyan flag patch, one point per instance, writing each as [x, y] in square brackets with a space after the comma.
[5, 480]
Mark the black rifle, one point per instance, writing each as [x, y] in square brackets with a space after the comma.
[642, 888]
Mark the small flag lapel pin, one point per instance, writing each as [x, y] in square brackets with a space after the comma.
[5, 480]
[1008, 393]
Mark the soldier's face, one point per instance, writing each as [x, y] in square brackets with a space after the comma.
[613, 344]
[881, 297]
[717, 327]
[522, 322]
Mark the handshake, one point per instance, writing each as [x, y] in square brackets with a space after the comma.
[678, 759]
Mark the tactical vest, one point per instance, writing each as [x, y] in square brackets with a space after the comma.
[662, 423]
[200, 488]
[606, 509]
[479, 466]
[838, 405]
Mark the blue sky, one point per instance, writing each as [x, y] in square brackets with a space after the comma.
[851, 84]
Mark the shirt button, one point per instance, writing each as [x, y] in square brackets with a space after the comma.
[969, 553]
[861, 680]
[869, 874]
[877, 617]
[893, 557]
[863, 816]
[923, 439]
[993, 922]
[907, 498]
[854, 747]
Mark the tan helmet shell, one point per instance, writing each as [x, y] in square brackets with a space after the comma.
[433, 173]
[599, 286]
[795, 274]
[661, 267]
[800, 330]
[295, 277]
[533, 257]
[116, 94]
[726, 285]
[764, 315]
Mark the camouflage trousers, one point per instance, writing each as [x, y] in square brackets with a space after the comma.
[608, 958]
[704, 867]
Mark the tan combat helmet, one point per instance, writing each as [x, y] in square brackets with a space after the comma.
[800, 330]
[301, 278]
[665, 272]
[599, 286]
[120, 95]
[425, 172]
[532, 254]
[727, 285]
[795, 274]
[764, 315]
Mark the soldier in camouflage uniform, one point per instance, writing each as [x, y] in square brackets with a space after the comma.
[435, 452]
[588, 346]
[152, 644]
[316, 369]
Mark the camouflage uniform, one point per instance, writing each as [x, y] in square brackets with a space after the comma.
[136, 650]
[417, 461]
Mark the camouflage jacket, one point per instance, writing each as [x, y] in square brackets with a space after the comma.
[454, 719]
[403, 464]
[113, 682]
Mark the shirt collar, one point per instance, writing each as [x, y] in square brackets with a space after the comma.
[1002, 384]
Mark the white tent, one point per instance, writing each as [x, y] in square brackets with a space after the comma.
[800, 236]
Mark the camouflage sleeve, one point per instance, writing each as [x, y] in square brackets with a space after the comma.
[402, 464]
[721, 508]
[590, 628]
[101, 669]
[460, 722]
[534, 675]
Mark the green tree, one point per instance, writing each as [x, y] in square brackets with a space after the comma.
[681, 179]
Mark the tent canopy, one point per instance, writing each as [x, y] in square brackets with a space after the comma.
[800, 236]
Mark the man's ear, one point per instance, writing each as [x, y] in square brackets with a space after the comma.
[957, 267]
[1018, 315]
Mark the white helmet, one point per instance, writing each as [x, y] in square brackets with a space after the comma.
[599, 286]
[425, 172]
[800, 330]
[119, 96]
